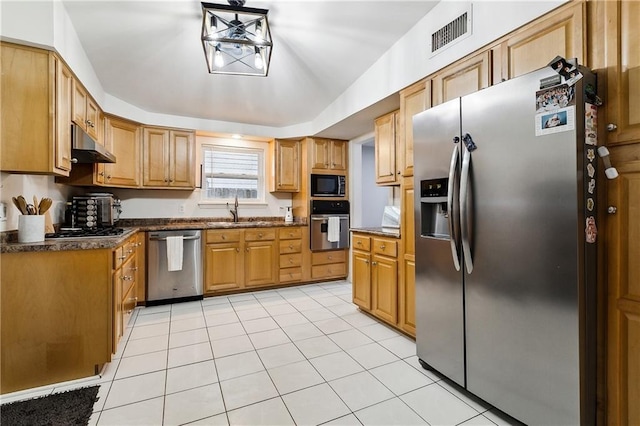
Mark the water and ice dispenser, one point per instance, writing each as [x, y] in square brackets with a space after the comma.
[433, 208]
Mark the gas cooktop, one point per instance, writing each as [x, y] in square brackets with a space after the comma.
[85, 233]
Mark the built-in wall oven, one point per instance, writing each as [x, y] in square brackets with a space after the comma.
[329, 225]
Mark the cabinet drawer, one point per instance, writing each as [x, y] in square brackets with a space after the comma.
[290, 275]
[290, 233]
[127, 275]
[129, 303]
[385, 247]
[328, 271]
[259, 234]
[290, 246]
[324, 257]
[290, 260]
[226, 236]
[360, 242]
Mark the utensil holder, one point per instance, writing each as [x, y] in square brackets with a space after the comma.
[30, 228]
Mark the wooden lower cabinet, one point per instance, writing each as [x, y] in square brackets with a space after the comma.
[407, 296]
[124, 280]
[43, 294]
[250, 258]
[375, 276]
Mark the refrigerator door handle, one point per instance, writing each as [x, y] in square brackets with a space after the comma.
[464, 211]
[450, 191]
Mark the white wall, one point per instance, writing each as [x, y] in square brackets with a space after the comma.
[374, 197]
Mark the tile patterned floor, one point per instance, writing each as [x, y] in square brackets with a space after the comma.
[297, 356]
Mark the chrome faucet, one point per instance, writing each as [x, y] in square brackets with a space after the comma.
[234, 211]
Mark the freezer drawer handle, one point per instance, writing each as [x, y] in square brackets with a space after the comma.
[464, 211]
[195, 237]
[450, 190]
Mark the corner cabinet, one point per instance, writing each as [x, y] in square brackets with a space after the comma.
[123, 140]
[328, 154]
[387, 149]
[168, 158]
[36, 111]
[285, 163]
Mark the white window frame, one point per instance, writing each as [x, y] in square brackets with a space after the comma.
[261, 187]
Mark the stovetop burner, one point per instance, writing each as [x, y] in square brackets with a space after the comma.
[86, 233]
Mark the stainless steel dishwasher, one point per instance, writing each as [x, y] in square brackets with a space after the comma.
[165, 286]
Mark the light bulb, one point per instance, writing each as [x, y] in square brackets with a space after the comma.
[257, 60]
[218, 60]
[259, 30]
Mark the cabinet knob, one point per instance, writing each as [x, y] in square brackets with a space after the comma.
[290, 246]
[171, 180]
[73, 160]
[366, 262]
[109, 177]
[101, 174]
[359, 243]
[247, 249]
[330, 258]
[122, 257]
[374, 263]
[612, 209]
[224, 237]
[399, 174]
[237, 250]
[260, 235]
[611, 127]
[382, 247]
[290, 260]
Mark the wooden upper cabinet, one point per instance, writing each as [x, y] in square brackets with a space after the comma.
[64, 90]
[622, 33]
[86, 112]
[535, 45]
[36, 101]
[328, 154]
[462, 78]
[123, 138]
[413, 100]
[386, 145]
[168, 158]
[285, 163]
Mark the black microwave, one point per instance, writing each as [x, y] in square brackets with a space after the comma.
[327, 185]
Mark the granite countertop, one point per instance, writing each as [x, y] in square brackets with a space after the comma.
[383, 232]
[10, 245]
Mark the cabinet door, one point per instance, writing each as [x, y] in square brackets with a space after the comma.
[320, 153]
[528, 49]
[385, 288]
[125, 145]
[407, 220]
[261, 263]
[623, 291]
[116, 309]
[182, 159]
[413, 100]
[361, 279]
[385, 144]
[287, 166]
[462, 78]
[338, 155]
[93, 118]
[141, 273]
[155, 156]
[64, 93]
[407, 317]
[79, 105]
[623, 70]
[223, 267]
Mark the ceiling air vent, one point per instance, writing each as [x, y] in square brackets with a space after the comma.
[455, 30]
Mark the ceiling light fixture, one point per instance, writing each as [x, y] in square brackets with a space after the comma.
[236, 39]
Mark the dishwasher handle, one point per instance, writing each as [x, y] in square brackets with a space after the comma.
[194, 237]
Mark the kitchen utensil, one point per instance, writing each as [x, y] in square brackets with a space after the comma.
[23, 204]
[35, 203]
[45, 204]
[17, 204]
[31, 209]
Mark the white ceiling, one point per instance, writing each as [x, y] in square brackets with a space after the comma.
[149, 54]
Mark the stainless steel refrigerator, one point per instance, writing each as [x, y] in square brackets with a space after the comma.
[505, 222]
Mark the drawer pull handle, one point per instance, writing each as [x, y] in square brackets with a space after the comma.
[382, 247]
[359, 243]
[224, 237]
[237, 250]
[291, 246]
[290, 260]
[330, 257]
[260, 235]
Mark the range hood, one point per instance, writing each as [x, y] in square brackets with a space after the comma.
[85, 150]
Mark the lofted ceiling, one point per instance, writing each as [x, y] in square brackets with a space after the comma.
[149, 54]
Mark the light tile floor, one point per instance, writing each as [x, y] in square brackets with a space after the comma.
[296, 356]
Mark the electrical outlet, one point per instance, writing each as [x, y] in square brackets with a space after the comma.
[181, 208]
